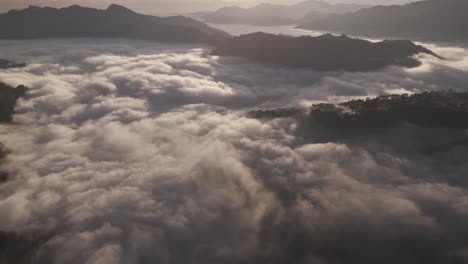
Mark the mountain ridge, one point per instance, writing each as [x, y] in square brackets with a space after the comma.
[324, 53]
[8, 97]
[114, 22]
[433, 20]
[266, 14]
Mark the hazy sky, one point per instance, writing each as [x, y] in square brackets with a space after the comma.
[166, 6]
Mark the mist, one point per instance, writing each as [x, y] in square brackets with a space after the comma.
[240, 136]
[140, 152]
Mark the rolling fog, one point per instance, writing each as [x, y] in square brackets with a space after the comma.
[139, 152]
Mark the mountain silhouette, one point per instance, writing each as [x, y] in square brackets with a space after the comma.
[272, 15]
[8, 97]
[114, 22]
[436, 20]
[430, 109]
[326, 52]
[430, 123]
[6, 64]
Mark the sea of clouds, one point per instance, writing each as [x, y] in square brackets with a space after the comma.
[139, 152]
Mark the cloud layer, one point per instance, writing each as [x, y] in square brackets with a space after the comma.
[138, 152]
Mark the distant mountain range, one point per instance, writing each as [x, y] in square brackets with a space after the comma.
[114, 22]
[437, 20]
[271, 15]
[326, 52]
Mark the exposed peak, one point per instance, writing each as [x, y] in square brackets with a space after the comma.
[259, 33]
[118, 9]
[112, 22]
[401, 42]
[75, 6]
[415, 20]
[327, 36]
[33, 7]
[324, 53]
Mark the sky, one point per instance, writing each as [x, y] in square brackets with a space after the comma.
[167, 6]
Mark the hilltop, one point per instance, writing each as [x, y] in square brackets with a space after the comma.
[326, 52]
[114, 22]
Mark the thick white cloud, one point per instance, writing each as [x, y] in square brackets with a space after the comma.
[139, 152]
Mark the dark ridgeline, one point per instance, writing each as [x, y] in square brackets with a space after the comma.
[326, 52]
[14, 247]
[429, 123]
[275, 113]
[431, 109]
[8, 98]
[9, 95]
[438, 20]
[6, 64]
[3, 175]
[114, 22]
[273, 15]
